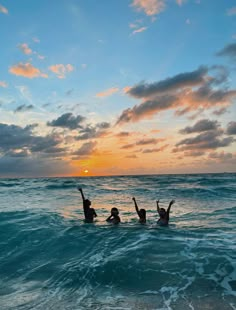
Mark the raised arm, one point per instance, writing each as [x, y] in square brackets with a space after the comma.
[158, 208]
[136, 206]
[170, 204]
[82, 194]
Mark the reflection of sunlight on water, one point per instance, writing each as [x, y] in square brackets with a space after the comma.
[69, 212]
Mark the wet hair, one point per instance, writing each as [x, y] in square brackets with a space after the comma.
[114, 210]
[87, 202]
[142, 212]
[162, 210]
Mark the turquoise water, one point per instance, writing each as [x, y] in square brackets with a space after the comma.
[50, 259]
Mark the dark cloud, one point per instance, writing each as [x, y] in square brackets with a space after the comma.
[67, 120]
[128, 146]
[24, 108]
[202, 125]
[231, 128]
[221, 156]
[93, 132]
[142, 142]
[148, 108]
[86, 149]
[148, 141]
[155, 150]
[181, 80]
[220, 111]
[229, 51]
[206, 140]
[123, 134]
[16, 139]
[194, 153]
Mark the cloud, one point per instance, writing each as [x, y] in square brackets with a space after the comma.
[27, 70]
[220, 111]
[181, 80]
[131, 156]
[3, 84]
[93, 132]
[86, 149]
[155, 150]
[3, 9]
[142, 142]
[207, 140]
[142, 29]
[231, 11]
[107, 92]
[67, 120]
[25, 49]
[228, 51]
[231, 128]
[194, 153]
[202, 125]
[150, 7]
[185, 92]
[123, 134]
[24, 108]
[222, 155]
[16, 139]
[61, 70]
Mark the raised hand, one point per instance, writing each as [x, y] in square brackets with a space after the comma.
[172, 202]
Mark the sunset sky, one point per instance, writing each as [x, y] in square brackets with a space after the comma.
[115, 87]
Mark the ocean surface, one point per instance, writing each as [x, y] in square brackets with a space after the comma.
[51, 259]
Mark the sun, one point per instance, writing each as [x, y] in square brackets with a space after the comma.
[86, 171]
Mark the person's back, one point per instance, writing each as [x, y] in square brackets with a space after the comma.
[141, 212]
[89, 213]
[164, 215]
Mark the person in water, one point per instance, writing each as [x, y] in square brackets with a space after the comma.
[141, 212]
[114, 217]
[164, 214]
[89, 213]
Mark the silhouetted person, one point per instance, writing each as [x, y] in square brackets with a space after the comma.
[89, 213]
[141, 212]
[114, 217]
[164, 215]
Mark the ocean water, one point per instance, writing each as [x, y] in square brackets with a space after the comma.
[51, 259]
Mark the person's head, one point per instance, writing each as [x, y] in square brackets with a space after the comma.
[114, 212]
[87, 202]
[162, 212]
[142, 213]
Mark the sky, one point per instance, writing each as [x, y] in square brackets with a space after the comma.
[117, 87]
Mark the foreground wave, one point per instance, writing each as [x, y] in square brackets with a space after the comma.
[50, 259]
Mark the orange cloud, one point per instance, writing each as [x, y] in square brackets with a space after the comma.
[150, 7]
[27, 70]
[3, 9]
[142, 29]
[60, 70]
[3, 84]
[107, 92]
[126, 89]
[25, 49]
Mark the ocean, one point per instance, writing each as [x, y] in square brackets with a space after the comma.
[51, 259]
